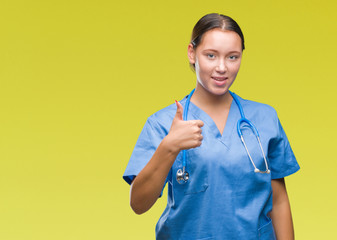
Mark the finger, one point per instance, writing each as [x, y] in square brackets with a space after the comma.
[199, 123]
[179, 113]
[199, 142]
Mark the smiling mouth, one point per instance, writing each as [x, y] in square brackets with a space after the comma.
[220, 79]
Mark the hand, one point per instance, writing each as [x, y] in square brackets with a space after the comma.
[184, 134]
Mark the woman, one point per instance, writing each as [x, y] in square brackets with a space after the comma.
[222, 188]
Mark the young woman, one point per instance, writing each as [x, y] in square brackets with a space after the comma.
[220, 186]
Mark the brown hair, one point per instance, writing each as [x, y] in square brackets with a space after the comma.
[211, 21]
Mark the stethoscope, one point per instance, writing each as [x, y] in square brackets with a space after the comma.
[183, 175]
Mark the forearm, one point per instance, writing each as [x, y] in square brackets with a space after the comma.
[281, 213]
[147, 186]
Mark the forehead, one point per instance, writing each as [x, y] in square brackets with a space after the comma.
[218, 39]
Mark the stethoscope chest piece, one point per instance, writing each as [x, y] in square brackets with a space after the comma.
[182, 176]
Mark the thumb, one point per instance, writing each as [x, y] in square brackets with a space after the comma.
[179, 113]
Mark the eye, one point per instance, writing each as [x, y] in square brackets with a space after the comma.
[211, 56]
[233, 57]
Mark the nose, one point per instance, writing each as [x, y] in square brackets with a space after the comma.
[222, 67]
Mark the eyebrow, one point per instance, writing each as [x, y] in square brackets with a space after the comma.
[213, 50]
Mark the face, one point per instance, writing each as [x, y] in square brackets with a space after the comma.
[217, 60]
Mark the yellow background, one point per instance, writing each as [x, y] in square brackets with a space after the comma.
[79, 78]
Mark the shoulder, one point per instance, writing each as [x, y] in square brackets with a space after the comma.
[162, 119]
[263, 116]
[254, 107]
[163, 114]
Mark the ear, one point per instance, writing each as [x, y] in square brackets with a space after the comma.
[191, 53]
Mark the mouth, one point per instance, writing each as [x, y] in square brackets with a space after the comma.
[220, 80]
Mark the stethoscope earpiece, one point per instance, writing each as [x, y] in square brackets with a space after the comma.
[259, 171]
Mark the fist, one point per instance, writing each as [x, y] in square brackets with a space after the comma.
[185, 134]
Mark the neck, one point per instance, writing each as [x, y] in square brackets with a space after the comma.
[206, 100]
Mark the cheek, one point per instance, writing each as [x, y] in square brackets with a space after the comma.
[205, 66]
[202, 71]
[235, 68]
[197, 67]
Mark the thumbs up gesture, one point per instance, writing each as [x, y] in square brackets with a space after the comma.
[185, 134]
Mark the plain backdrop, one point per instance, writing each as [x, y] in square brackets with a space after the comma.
[78, 80]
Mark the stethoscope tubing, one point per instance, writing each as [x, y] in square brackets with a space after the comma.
[183, 175]
[186, 107]
[243, 119]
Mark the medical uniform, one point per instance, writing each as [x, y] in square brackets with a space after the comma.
[224, 198]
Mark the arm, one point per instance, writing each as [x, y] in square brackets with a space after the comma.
[147, 186]
[281, 214]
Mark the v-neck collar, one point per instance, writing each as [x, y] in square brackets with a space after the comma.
[233, 117]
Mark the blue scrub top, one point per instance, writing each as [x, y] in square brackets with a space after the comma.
[224, 198]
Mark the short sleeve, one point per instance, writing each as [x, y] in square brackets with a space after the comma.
[281, 157]
[147, 143]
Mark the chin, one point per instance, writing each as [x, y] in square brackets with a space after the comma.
[219, 91]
